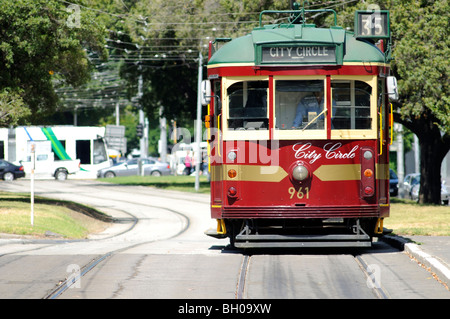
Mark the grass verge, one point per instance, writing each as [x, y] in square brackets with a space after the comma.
[410, 218]
[61, 219]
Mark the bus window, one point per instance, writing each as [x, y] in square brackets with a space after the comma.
[299, 104]
[351, 105]
[247, 105]
[100, 154]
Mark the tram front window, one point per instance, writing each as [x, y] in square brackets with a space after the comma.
[299, 104]
[351, 108]
[247, 106]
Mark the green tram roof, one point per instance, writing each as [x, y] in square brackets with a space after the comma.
[348, 48]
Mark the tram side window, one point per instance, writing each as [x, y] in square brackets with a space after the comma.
[299, 104]
[351, 103]
[247, 106]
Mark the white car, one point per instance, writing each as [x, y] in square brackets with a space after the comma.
[151, 167]
[414, 189]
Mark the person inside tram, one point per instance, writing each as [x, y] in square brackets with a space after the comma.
[308, 109]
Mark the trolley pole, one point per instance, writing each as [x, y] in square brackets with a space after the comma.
[198, 135]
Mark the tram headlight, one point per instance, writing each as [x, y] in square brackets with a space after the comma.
[300, 173]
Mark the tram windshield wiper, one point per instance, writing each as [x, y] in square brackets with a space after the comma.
[314, 119]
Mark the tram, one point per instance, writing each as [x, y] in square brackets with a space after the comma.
[299, 126]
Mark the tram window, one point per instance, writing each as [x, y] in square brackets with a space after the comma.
[351, 105]
[217, 105]
[299, 104]
[247, 105]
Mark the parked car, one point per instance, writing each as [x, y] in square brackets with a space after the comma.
[408, 183]
[393, 183]
[411, 187]
[130, 167]
[9, 171]
[445, 195]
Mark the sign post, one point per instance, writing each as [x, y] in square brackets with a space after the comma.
[33, 158]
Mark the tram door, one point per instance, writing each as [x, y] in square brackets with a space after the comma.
[215, 144]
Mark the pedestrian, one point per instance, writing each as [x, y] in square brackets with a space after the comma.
[187, 164]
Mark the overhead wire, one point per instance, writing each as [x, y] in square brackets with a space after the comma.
[135, 52]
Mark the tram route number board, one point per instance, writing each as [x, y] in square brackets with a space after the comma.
[372, 24]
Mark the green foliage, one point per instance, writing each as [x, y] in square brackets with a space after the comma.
[39, 47]
[422, 47]
[12, 108]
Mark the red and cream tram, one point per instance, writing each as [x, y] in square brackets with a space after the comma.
[298, 131]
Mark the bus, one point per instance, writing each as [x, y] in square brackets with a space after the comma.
[57, 148]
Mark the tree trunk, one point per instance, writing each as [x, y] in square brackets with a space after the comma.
[432, 152]
[430, 171]
[433, 148]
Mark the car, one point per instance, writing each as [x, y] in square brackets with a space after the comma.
[10, 171]
[408, 183]
[411, 186]
[393, 183]
[130, 167]
[445, 195]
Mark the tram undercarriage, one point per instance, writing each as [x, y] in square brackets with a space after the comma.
[267, 233]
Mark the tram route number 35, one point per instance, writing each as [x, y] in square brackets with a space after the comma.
[301, 193]
[372, 25]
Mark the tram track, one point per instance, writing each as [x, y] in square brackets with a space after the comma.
[372, 278]
[370, 274]
[242, 276]
[88, 198]
[65, 284]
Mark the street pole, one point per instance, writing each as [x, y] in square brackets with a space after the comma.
[142, 145]
[33, 156]
[198, 123]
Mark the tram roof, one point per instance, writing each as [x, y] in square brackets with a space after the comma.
[246, 49]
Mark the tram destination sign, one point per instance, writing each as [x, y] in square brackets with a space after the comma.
[311, 54]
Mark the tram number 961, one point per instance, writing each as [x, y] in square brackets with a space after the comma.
[301, 193]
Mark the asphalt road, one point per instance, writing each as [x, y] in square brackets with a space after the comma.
[159, 250]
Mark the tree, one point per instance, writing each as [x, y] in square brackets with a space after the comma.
[421, 49]
[11, 108]
[43, 44]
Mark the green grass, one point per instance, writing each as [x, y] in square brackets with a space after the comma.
[410, 218]
[15, 218]
[179, 183]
